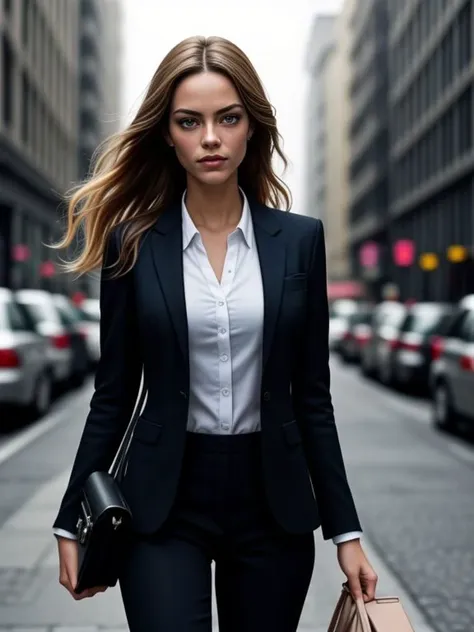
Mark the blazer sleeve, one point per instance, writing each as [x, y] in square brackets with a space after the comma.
[117, 383]
[314, 409]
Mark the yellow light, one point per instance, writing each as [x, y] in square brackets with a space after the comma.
[457, 253]
[428, 261]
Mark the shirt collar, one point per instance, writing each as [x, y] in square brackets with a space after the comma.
[244, 226]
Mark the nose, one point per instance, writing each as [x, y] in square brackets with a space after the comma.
[210, 137]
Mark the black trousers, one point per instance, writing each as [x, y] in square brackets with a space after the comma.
[262, 573]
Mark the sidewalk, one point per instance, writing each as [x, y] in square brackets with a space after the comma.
[31, 599]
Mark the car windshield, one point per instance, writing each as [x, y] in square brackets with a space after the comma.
[360, 318]
[3, 316]
[425, 319]
[88, 316]
[41, 312]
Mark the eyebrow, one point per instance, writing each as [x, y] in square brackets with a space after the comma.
[221, 111]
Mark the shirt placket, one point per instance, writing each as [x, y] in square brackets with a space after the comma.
[223, 335]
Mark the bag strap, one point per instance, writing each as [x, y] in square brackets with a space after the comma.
[122, 451]
[363, 616]
[361, 611]
[337, 611]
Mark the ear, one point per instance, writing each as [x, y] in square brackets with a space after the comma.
[250, 132]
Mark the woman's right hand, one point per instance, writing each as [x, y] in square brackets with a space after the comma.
[68, 568]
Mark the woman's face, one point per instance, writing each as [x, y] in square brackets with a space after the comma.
[207, 118]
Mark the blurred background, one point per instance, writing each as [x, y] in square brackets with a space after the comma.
[374, 101]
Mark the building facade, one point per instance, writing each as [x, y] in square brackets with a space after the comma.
[432, 145]
[336, 70]
[38, 134]
[320, 42]
[369, 160]
[100, 64]
[59, 96]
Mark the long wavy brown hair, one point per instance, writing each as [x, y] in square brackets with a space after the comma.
[134, 174]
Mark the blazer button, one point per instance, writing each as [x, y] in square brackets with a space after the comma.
[266, 396]
[183, 394]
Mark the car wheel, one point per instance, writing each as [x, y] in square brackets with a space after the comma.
[442, 408]
[42, 395]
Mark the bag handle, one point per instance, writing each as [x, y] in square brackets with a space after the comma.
[120, 457]
[361, 611]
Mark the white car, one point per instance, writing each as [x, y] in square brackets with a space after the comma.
[25, 371]
[89, 314]
[339, 313]
[42, 310]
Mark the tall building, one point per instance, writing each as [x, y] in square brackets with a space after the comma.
[100, 64]
[38, 133]
[113, 47]
[369, 179]
[335, 90]
[320, 42]
[432, 145]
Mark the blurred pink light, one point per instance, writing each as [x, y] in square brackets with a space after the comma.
[369, 254]
[404, 252]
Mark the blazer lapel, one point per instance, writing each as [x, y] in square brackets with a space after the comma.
[272, 255]
[167, 248]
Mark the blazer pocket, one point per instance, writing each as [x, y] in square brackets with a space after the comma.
[296, 281]
[147, 431]
[291, 432]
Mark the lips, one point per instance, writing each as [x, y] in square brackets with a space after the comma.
[212, 159]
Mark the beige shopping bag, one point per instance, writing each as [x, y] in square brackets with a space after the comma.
[384, 614]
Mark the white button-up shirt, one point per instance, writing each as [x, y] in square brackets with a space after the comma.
[225, 329]
[225, 335]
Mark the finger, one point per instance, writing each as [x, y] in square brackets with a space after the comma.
[370, 587]
[354, 586]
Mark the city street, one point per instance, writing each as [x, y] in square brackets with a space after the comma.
[412, 484]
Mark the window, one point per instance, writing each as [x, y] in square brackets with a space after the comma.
[16, 318]
[465, 121]
[425, 319]
[464, 29]
[7, 87]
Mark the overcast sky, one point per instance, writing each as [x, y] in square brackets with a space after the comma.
[273, 33]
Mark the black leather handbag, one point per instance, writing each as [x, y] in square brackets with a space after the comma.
[104, 524]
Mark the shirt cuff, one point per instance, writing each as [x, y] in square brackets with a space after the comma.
[345, 537]
[64, 534]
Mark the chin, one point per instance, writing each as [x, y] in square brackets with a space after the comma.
[214, 178]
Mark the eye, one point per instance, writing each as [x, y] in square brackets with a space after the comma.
[234, 118]
[184, 123]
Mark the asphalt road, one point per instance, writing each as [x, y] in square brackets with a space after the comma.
[413, 487]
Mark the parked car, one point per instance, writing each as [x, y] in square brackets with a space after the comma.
[25, 370]
[357, 335]
[452, 369]
[77, 335]
[67, 350]
[339, 312]
[419, 331]
[377, 353]
[46, 318]
[89, 317]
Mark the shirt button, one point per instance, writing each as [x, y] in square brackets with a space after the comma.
[224, 357]
[222, 330]
[220, 303]
[225, 392]
[266, 396]
[225, 426]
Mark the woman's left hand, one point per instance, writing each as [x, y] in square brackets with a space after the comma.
[361, 577]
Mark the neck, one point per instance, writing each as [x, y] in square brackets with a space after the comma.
[215, 208]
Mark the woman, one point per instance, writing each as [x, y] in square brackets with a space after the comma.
[222, 300]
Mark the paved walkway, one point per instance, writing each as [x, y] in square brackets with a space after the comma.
[31, 599]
